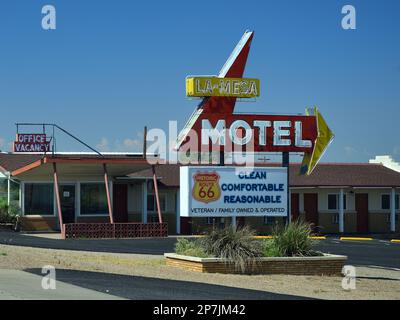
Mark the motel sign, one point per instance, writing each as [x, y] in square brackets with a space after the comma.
[219, 126]
[242, 191]
[233, 191]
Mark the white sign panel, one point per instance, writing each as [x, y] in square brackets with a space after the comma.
[233, 191]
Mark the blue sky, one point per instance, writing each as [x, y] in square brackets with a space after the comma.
[112, 67]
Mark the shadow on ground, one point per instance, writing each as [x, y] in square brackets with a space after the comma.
[155, 246]
[143, 288]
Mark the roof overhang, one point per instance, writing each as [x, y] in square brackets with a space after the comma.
[83, 165]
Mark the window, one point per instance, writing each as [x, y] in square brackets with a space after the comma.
[211, 220]
[93, 199]
[14, 190]
[152, 204]
[333, 202]
[385, 202]
[38, 199]
[269, 220]
[388, 218]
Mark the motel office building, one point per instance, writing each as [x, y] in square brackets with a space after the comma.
[348, 198]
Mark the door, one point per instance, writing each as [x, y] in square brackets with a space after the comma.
[240, 222]
[67, 195]
[120, 202]
[294, 206]
[186, 226]
[311, 209]
[362, 212]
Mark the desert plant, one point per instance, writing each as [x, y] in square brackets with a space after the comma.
[190, 248]
[292, 239]
[238, 247]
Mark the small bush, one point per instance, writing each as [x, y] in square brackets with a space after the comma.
[292, 239]
[190, 248]
[269, 249]
[8, 214]
[237, 246]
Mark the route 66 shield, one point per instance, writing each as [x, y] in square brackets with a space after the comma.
[206, 187]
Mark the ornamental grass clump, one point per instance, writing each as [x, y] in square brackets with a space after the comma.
[292, 240]
[238, 247]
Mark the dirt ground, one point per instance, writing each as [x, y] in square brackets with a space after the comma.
[372, 283]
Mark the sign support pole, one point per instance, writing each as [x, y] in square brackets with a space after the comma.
[8, 192]
[285, 163]
[157, 194]
[222, 163]
[106, 182]
[58, 201]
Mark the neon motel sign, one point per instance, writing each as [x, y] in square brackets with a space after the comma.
[222, 87]
[214, 119]
[262, 133]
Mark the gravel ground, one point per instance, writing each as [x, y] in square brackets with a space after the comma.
[372, 283]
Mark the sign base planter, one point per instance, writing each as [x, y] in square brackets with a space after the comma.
[326, 265]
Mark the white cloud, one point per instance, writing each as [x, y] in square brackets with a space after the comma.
[125, 145]
[349, 151]
[103, 145]
[5, 145]
[396, 150]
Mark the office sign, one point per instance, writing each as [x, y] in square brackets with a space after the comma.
[31, 142]
[222, 87]
[233, 191]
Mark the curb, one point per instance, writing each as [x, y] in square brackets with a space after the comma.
[355, 239]
[318, 238]
[313, 237]
[395, 241]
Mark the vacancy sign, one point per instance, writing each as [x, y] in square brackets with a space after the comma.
[233, 191]
[31, 142]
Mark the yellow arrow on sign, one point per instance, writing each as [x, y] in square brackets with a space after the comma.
[324, 138]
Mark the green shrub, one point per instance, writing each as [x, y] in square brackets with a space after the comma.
[186, 247]
[292, 239]
[269, 249]
[8, 214]
[236, 246]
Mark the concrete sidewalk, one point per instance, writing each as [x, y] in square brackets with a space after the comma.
[20, 285]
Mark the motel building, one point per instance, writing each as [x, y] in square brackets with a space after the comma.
[336, 197]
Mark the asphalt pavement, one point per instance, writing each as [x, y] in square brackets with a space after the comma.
[21, 285]
[143, 288]
[73, 284]
[381, 253]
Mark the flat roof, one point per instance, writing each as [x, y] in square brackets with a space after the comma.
[21, 165]
[324, 175]
[135, 166]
